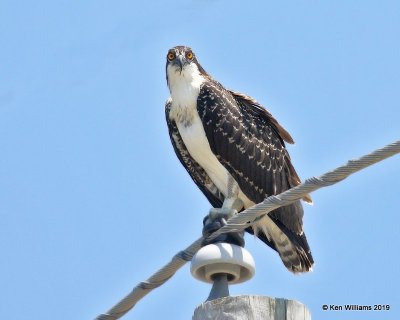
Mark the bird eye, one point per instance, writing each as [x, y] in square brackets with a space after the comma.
[171, 56]
[189, 55]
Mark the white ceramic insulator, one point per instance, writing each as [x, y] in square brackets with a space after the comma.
[219, 258]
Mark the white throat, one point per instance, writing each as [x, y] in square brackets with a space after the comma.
[184, 87]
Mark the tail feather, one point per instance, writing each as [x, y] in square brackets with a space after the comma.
[292, 248]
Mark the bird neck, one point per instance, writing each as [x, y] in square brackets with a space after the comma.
[184, 81]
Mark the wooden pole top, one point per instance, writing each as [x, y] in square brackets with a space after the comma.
[251, 307]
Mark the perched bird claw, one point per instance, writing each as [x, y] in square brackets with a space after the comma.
[221, 213]
[215, 220]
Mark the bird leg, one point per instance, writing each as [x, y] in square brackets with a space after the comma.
[217, 217]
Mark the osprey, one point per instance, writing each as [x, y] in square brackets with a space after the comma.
[234, 150]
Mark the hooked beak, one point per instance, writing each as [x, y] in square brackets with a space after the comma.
[180, 61]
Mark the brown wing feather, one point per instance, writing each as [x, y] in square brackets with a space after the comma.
[251, 105]
[247, 142]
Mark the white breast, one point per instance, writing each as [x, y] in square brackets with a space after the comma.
[197, 144]
[185, 88]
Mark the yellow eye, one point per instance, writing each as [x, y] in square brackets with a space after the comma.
[189, 55]
[171, 56]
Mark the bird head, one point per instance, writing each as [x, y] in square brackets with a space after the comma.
[182, 63]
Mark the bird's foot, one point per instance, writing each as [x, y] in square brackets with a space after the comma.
[221, 213]
[216, 219]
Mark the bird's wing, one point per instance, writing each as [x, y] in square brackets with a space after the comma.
[252, 106]
[199, 176]
[249, 142]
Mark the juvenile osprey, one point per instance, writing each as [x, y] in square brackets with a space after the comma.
[234, 150]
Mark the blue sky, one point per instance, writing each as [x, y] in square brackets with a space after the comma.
[92, 197]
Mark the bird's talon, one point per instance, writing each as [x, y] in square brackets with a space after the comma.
[219, 213]
[216, 219]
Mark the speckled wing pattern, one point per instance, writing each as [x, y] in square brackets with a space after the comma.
[249, 143]
[196, 172]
